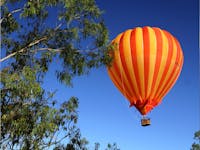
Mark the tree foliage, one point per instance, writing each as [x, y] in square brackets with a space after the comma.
[36, 36]
[35, 33]
[29, 118]
[196, 144]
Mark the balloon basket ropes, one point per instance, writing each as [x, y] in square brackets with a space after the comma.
[145, 122]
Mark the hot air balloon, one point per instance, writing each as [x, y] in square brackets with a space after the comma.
[147, 61]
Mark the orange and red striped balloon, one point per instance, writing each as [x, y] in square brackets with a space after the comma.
[147, 62]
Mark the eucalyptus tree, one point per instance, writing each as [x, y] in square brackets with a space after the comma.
[34, 34]
[196, 144]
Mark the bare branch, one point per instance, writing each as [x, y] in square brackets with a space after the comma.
[57, 50]
[55, 142]
[23, 49]
[36, 42]
[58, 26]
[48, 49]
[9, 14]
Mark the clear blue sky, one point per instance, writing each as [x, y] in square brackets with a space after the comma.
[104, 114]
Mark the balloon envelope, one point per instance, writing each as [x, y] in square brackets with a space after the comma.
[146, 64]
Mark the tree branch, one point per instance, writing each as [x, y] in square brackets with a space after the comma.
[54, 142]
[48, 49]
[9, 14]
[57, 50]
[58, 26]
[32, 43]
[23, 49]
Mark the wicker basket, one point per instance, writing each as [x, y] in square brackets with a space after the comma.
[145, 121]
